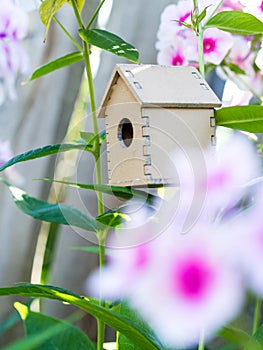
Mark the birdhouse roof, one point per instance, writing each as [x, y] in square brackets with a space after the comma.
[164, 86]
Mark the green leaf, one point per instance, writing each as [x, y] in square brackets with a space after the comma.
[234, 335]
[68, 338]
[110, 42]
[201, 16]
[113, 319]
[87, 136]
[247, 118]
[236, 22]
[234, 68]
[113, 218]
[256, 342]
[125, 343]
[47, 9]
[90, 139]
[43, 152]
[126, 193]
[59, 213]
[61, 62]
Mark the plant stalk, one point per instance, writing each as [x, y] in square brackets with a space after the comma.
[67, 34]
[101, 233]
[95, 14]
[201, 345]
[257, 313]
[200, 38]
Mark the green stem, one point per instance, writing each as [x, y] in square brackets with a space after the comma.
[199, 30]
[77, 13]
[67, 33]
[95, 125]
[201, 345]
[200, 38]
[95, 14]
[257, 315]
[102, 233]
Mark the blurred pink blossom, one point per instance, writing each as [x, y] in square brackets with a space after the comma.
[259, 59]
[185, 285]
[13, 58]
[231, 5]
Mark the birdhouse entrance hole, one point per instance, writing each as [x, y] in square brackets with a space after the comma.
[125, 132]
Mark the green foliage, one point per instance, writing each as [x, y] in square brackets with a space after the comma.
[113, 319]
[113, 218]
[52, 66]
[256, 341]
[68, 337]
[48, 8]
[110, 42]
[126, 193]
[236, 22]
[45, 151]
[57, 212]
[247, 118]
[234, 335]
[125, 343]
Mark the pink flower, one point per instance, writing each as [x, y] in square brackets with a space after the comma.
[182, 285]
[240, 54]
[231, 5]
[189, 287]
[174, 54]
[259, 58]
[255, 7]
[216, 46]
[13, 59]
[179, 12]
[13, 21]
[248, 232]
[233, 95]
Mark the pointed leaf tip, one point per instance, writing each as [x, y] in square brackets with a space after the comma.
[110, 42]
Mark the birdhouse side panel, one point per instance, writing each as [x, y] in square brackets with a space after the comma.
[171, 130]
[125, 142]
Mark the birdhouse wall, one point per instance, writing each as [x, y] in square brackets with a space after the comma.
[170, 130]
[124, 152]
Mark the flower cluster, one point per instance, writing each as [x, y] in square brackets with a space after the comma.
[13, 59]
[186, 271]
[177, 45]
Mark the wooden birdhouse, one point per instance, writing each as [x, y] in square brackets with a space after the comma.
[150, 111]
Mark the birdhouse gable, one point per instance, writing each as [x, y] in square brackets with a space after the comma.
[161, 86]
